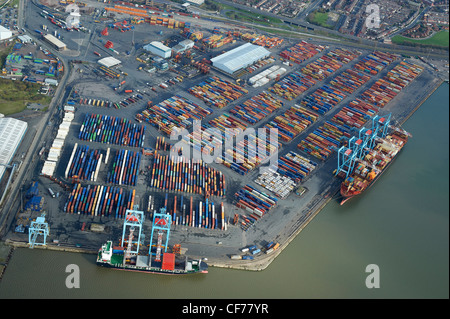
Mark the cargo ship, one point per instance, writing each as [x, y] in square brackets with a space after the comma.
[156, 260]
[170, 264]
[368, 169]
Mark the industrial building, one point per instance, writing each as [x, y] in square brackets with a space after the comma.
[25, 38]
[196, 2]
[158, 49]
[55, 42]
[239, 58]
[51, 81]
[109, 62]
[160, 63]
[11, 133]
[5, 33]
[183, 46]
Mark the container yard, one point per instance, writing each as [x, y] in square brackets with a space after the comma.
[257, 108]
[324, 141]
[323, 99]
[217, 92]
[292, 122]
[186, 211]
[291, 86]
[255, 203]
[109, 201]
[295, 166]
[329, 63]
[111, 130]
[111, 150]
[181, 175]
[125, 168]
[175, 112]
[83, 164]
[301, 52]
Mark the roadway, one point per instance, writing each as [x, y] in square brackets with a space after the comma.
[25, 173]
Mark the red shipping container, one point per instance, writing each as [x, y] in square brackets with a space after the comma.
[168, 262]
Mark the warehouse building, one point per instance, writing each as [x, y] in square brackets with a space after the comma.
[196, 2]
[25, 38]
[183, 46]
[159, 49]
[56, 43]
[11, 133]
[109, 62]
[5, 33]
[239, 58]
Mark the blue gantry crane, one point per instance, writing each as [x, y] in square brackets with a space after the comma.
[358, 147]
[382, 124]
[38, 232]
[348, 155]
[161, 223]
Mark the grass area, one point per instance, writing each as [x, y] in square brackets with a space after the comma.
[4, 51]
[248, 17]
[15, 95]
[319, 18]
[11, 3]
[440, 39]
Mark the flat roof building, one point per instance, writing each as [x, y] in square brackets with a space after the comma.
[109, 62]
[25, 38]
[158, 49]
[197, 2]
[55, 42]
[5, 33]
[51, 81]
[11, 133]
[239, 58]
[183, 46]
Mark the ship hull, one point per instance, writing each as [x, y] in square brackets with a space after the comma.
[151, 270]
[346, 196]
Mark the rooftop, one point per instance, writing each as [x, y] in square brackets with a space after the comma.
[240, 57]
[109, 61]
[3, 29]
[55, 41]
[11, 134]
[158, 45]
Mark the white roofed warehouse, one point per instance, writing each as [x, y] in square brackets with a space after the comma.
[158, 49]
[240, 58]
[5, 33]
[55, 42]
[12, 132]
[109, 62]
